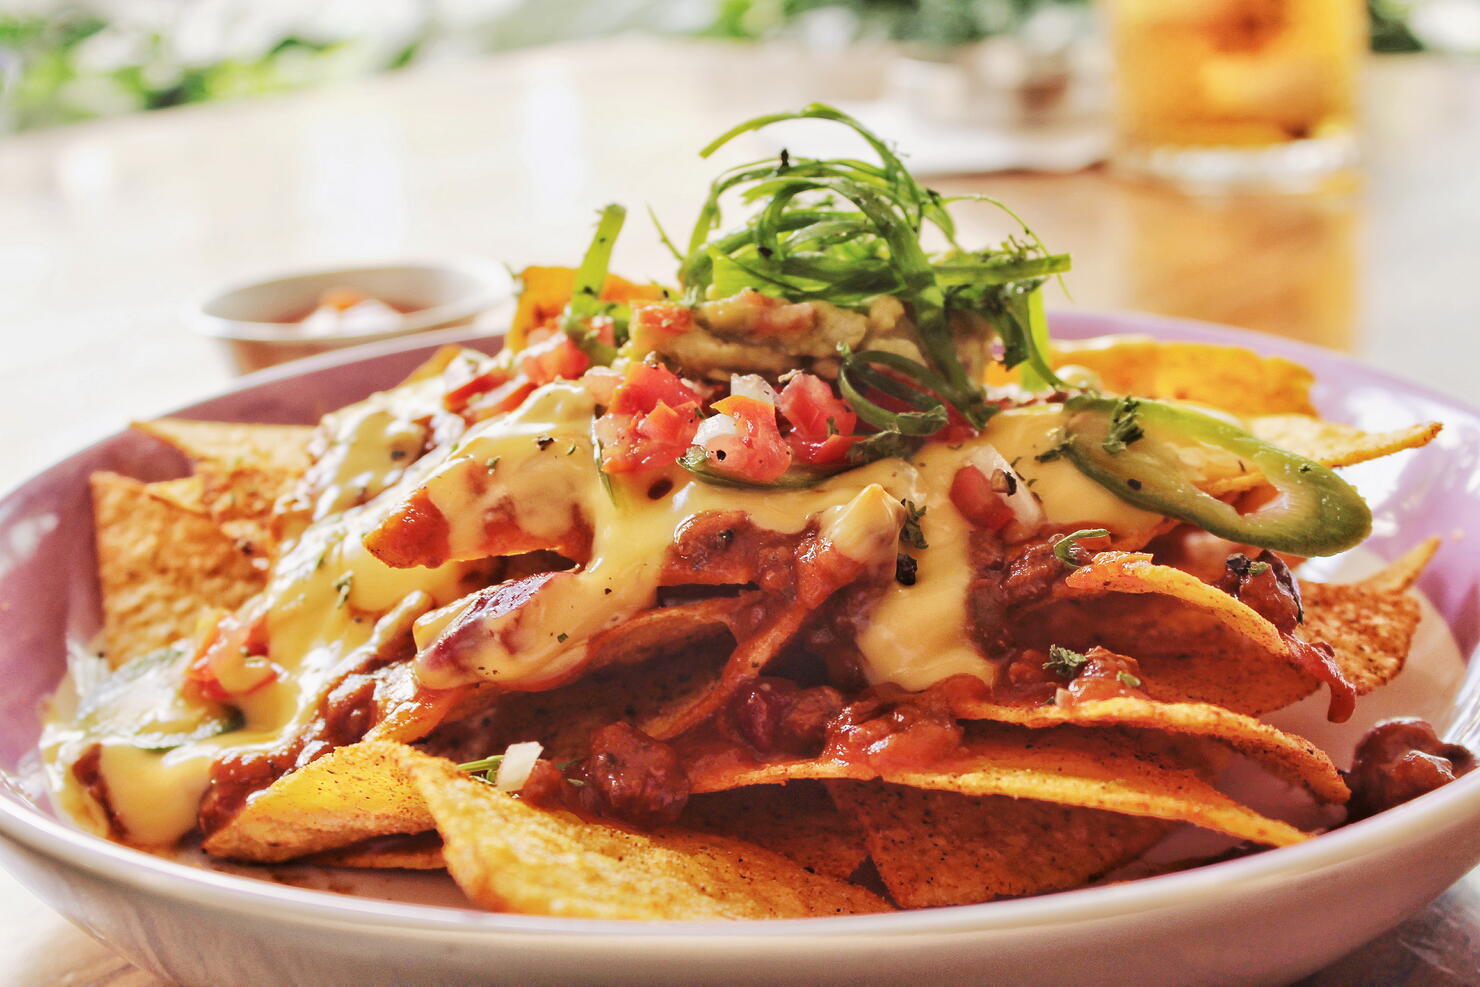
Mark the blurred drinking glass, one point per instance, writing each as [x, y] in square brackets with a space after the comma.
[1237, 94]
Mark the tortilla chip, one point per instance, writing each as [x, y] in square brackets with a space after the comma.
[937, 848]
[1129, 772]
[755, 651]
[1195, 642]
[241, 500]
[1327, 443]
[1369, 629]
[348, 795]
[439, 361]
[798, 821]
[1229, 377]
[1187, 655]
[418, 851]
[160, 568]
[1134, 572]
[1291, 757]
[546, 290]
[271, 447]
[507, 855]
[563, 719]
[186, 493]
[1403, 573]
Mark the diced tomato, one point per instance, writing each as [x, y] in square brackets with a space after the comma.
[650, 420]
[231, 661]
[821, 422]
[756, 451]
[551, 359]
[972, 493]
[664, 317]
[646, 385]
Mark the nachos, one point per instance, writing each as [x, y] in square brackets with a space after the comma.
[820, 582]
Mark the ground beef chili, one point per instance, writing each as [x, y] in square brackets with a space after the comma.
[1266, 584]
[776, 716]
[628, 776]
[1024, 681]
[1007, 578]
[892, 729]
[1104, 675]
[1399, 760]
[236, 777]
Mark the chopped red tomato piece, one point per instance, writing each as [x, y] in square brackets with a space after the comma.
[756, 451]
[972, 493]
[650, 420]
[231, 661]
[646, 385]
[552, 358]
[667, 317]
[821, 422]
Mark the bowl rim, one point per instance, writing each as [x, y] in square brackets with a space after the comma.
[490, 288]
[72, 847]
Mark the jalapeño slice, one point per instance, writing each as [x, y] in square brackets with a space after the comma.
[1130, 447]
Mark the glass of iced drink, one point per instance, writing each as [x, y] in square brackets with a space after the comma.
[1236, 93]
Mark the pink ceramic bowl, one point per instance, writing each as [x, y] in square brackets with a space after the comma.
[1270, 917]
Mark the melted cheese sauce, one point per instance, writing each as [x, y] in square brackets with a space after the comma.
[329, 601]
[859, 512]
[918, 635]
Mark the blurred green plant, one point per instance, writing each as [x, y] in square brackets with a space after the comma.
[79, 59]
[931, 22]
[65, 68]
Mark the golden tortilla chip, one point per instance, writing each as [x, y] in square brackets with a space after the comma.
[1369, 629]
[271, 447]
[1134, 572]
[241, 500]
[1292, 757]
[1123, 771]
[1403, 573]
[546, 290]
[1187, 655]
[348, 795]
[563, 719]
[1197, 643]
[442, 358]
[1327, 443]
[418, 851]
[1229, 377]
[798, 821]
[160, 568]
[507, 855]
[935, 848]
[186, 493]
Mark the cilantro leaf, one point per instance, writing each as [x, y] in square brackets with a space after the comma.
[1064, 661]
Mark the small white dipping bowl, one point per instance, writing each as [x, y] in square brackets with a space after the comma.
[259, 321]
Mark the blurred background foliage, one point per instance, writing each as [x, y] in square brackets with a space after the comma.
[67, 60]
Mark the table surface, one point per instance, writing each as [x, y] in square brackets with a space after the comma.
[108, 229]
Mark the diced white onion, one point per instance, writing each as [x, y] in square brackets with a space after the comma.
[518, 762]
[1023, 503]
[712, 428]
[753, 386]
